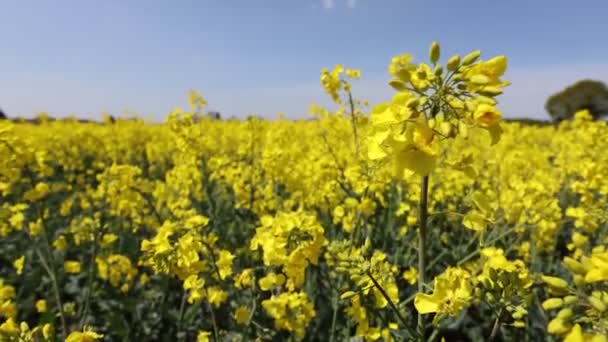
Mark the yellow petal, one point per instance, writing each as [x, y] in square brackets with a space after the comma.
[425, 303]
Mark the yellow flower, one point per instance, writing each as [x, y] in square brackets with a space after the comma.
[353, 73]
[486, 115]
[583, 115]
[224, 263]
[422, 78]
[216, 296]
[19, 264]
[332, 82]
[38, 192]
[47, 331]
[41, 305]
[411, 275]
[60, 243]
[241, 315]
[244, 279]
[413, 149]
[87, 335]
[196, 287]
[452, 292]
[290, 311]
[72, 266]
[9, 328]
[203, 336]
[402, 67]
[270, 280]
[108, 239]
[486, 74]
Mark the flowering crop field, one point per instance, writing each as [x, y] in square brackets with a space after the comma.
[424, 218]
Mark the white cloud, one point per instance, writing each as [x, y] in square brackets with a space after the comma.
[328, 4]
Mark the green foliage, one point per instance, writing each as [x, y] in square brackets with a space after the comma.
[585, 94]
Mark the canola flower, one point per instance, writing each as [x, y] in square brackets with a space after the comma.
[210, 230]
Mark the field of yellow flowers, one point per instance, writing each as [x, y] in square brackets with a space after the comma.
[422, 219]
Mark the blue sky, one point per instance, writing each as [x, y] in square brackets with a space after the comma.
[264, 56]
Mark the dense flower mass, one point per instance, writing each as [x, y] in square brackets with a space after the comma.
[210, 230]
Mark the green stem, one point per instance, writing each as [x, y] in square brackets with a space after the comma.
[424, 189]
[354, 123]
[181, 317]
[51, 275]
[90, 280]
[213, 322]
[488, 243]
[496, 327]
[333, 320]
[388, 299]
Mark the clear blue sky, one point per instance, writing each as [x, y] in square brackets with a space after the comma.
[264, 56]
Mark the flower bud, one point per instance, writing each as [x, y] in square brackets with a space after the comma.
[412, 103]
[574, 266]
[397, 84]
[579, 280]
[553, 303]
[555, 282]
[47, 331]
[434, 52]
[558, 326]
[438, 71]
[486, 100]
[453, 63]
[597, 303]
[347, 294]
[471, 57]
[490, 91]
[565, 313]
[518, 315]
[570, 300]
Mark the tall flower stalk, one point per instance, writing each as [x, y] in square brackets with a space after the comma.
[433, 105]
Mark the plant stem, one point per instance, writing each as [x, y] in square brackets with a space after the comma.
[388, 299]
[181, 317]
[216, 334]
[488, 243]
[89, 288]
[496, 327]
[424, 189]
[353, 119]
[333, 320]
[51, 275]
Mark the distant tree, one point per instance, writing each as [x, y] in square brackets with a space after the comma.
[2, 115]
[585, 94]
[214, 115]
